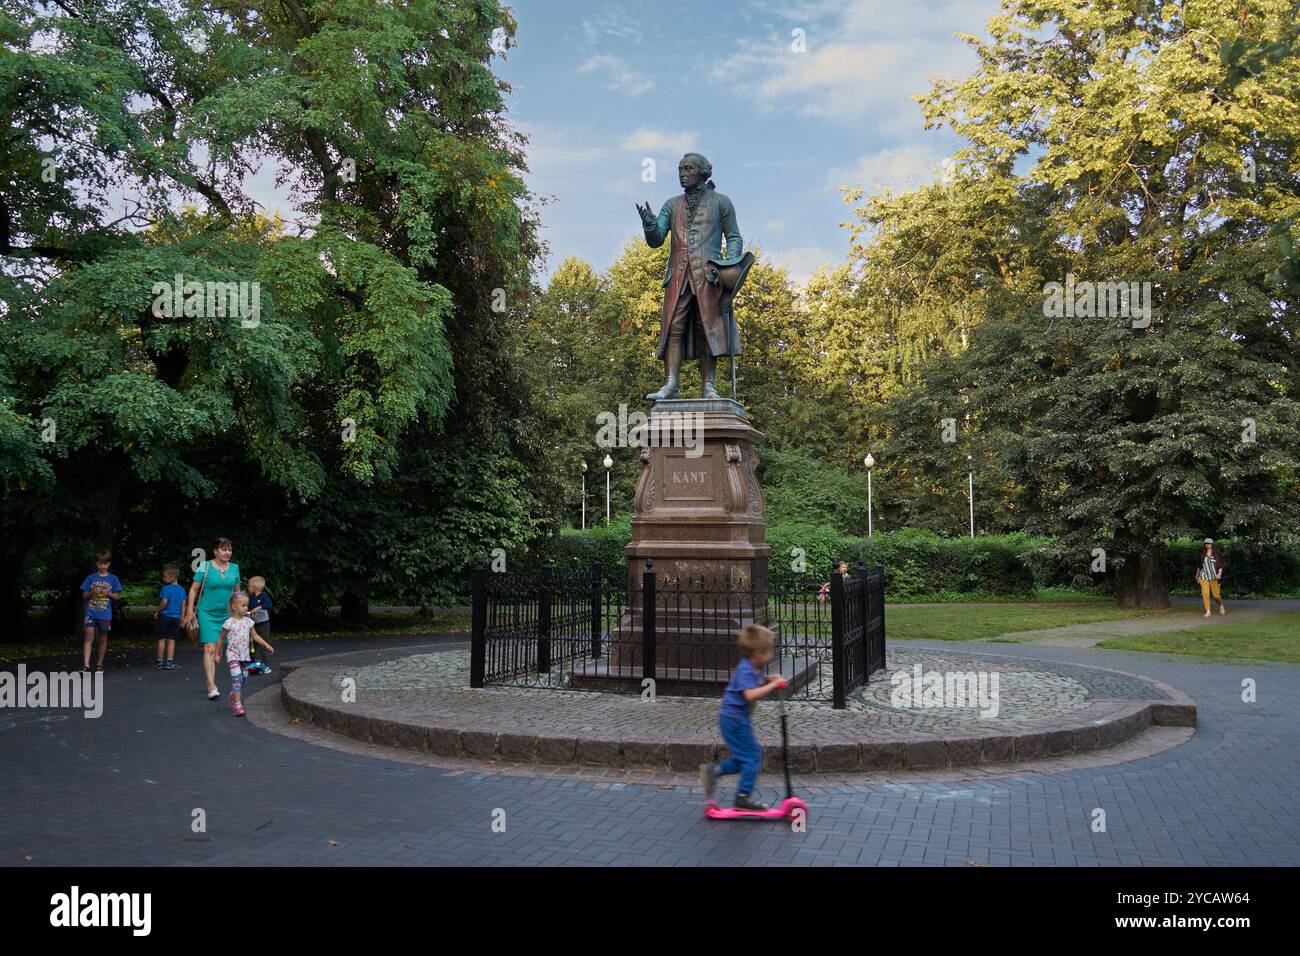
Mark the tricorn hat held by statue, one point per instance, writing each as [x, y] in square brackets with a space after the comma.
[732, 272]
[731, 276]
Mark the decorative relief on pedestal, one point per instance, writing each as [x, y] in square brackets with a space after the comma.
[757, 503]
[645, 484]
[734, 488]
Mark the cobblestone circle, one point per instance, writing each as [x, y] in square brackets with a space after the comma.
[421, 700]
[1023, 693]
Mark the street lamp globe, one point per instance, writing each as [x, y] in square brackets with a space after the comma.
[609, 462]
[584, 467]
[869, 462]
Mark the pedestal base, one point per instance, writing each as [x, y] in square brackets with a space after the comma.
[699, 522]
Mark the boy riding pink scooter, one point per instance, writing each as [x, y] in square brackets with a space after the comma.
[746, 688]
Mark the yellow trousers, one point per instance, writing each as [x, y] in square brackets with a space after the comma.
[1210, 587]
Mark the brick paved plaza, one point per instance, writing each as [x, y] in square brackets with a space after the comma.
[123, 789]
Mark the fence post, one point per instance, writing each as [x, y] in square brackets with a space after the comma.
[648, 621]
[880, 570]
[478, 624]
[837, 637]
[597, 618]
[544, 620]
[864, 608]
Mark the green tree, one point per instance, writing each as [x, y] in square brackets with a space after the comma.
[1134, 134]
[376, 402]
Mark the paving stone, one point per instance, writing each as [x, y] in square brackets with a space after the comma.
[837, 757]
[689, 756]
[521, 747]
[963, 752]
[478, 743]
[118, 790]
[921, 754]
[441, 740]
[599, 753]
[640, 753]
[885, 756]
[1060, 741]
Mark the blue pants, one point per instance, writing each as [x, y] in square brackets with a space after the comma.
[746, 754]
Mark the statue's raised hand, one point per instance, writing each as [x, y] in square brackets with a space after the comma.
[647, 214]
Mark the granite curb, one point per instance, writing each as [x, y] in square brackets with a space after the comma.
[308, 694]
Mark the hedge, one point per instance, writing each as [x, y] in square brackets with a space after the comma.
[919, 563]
[915, 562]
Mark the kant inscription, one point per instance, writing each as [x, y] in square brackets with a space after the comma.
[690, 477]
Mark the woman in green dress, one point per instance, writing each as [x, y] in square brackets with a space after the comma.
[209, 599]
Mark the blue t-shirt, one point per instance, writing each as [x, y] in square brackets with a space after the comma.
[733, 698]
[99, 606]
[174, 595]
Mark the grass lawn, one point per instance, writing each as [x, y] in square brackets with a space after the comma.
[1275, 638]
[978, 621]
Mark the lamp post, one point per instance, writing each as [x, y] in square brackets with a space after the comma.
[584, 496]
[608, 463]
[870, 463]
[970, 474]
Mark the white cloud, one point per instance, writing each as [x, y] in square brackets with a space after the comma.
[619, 76]
[863, 62]
[897, 168]
[802, 261]
[550, 148]
[659, 141]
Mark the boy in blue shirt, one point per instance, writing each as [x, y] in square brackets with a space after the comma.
[99, 591]
[747, 687]
[259, 608]
[167, 618]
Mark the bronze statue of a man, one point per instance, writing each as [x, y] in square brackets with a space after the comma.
[701, 278]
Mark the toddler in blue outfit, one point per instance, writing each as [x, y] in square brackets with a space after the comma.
[747, 687]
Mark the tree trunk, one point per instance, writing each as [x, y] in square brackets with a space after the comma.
[13, 609]
[354, 606]
[1141, 578]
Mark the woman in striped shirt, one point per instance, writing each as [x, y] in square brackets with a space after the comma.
[1209, 574]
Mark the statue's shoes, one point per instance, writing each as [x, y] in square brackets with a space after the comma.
[709, 391]
[665, 392]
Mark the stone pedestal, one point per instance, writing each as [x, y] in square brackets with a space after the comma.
[699, 508]
[699, 520]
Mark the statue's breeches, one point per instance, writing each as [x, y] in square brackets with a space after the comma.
[697, 319]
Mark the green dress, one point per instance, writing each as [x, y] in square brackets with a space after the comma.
[214, 602]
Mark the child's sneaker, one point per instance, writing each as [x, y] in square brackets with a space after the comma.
[743, 802]
[171, 666]
[239, 710]
[709, 778]
[158, 665]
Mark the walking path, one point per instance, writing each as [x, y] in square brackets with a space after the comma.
[124, 789]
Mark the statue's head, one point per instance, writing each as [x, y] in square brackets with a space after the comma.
[693, 170]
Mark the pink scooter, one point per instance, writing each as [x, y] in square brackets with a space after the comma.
[786, 808]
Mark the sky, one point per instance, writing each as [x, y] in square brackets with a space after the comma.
[602, 86]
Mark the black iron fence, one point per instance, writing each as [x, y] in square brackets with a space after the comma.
[673, 633]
